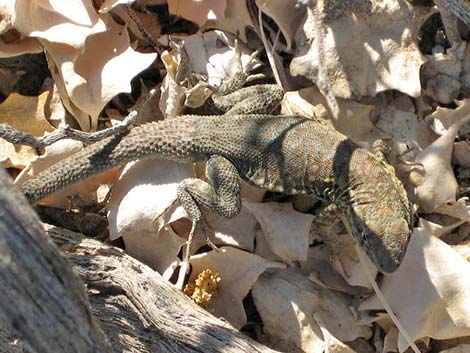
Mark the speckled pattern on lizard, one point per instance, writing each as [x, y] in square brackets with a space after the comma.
[289, 154]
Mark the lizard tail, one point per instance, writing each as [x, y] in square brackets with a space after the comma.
[169, 139]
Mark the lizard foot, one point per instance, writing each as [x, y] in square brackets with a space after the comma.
[385, 154]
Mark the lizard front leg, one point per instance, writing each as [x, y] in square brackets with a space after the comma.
[221, 194]
[323, 225]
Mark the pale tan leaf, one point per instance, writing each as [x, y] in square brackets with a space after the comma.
[403, 128]
[286, 14]
[435, 160]
[458, 209]
[197, 11]
[19, 46]
[435, 229]
[443, 118]
[263, 248]
[238, 271]
[145, 190]
[109, 5]
[171, 98]
[87, 78]
[333, 345]
[287, 302]
[230, 16]
[286, 230]
[462, 348]
[237, 18]
[239, 231]
[461, 153]
[67, 22]
[319, 269]
[391, 340]
[157, 250]
[28, 115]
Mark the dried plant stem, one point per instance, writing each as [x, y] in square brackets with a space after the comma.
[383, 301]
[39, 143]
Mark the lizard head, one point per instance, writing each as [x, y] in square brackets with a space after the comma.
[383, 229]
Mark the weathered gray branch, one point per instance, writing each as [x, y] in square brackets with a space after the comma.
[142, 312]
[18, 137]
[41, 301]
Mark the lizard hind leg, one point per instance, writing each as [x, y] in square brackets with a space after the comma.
[242, 74]
[221, 195]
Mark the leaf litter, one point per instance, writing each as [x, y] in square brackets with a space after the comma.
[395, 75]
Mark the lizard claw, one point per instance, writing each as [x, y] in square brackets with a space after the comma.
[206, 229]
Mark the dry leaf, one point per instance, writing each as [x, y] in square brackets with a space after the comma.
[67, 22]
[263, 248]
[463, 348]
[287, 303]
[145, 190]
[457, 209]
[388, 59]
[28, 115]
[231, 16]
[197, 11]
[157, 250]
[19, 47]
[429, 290]
[391, 340]
[403, 128]
[318, 269]
[90, 53]
[443, 118]
[171, 97]
[239, 231]
[435, 229]
[87, 78]
[109, 5]
[286, 230]
[238, 271]
[333, 345]
[436, 162]
[461, 153]
[440, 77]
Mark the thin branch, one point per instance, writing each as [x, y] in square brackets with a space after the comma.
[39, 143]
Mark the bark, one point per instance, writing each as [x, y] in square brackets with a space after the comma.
[142, 312]
[41, 300]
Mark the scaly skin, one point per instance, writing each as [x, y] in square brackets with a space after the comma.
[288, 154]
